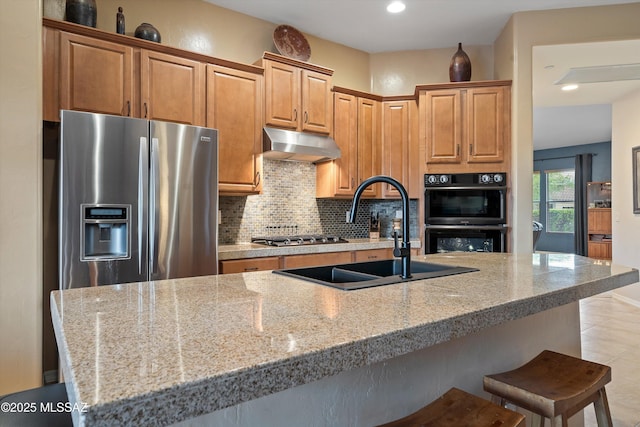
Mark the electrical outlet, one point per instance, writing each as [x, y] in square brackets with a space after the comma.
[219, 217]
[346, 217]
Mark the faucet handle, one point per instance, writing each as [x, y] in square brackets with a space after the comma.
[399, 250]
[396, 248]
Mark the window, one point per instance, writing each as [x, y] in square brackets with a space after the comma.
[560, 201]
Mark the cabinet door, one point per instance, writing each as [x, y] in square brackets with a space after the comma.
[249, 264]
[368, 144]
[329, 258]
[317, 102]
[599, 220]
[443, 125]
[395, 145]
[234, 108]
[282, 95]
[599, 250]
[338, 177]
[373, 254]
[485, 124]
[172, 88]
[95, 75]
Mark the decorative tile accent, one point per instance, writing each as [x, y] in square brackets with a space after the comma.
[288, 205]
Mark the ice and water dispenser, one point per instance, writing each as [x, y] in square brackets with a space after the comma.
[105, 232]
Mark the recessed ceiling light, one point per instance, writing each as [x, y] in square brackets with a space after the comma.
[567, 88]
[395, 7]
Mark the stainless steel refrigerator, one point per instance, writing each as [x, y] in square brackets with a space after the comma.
[138, 200]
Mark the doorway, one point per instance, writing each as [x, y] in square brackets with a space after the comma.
[554, 204]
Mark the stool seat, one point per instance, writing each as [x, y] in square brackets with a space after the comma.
[457, 408]
[42, 408]
[554, 385]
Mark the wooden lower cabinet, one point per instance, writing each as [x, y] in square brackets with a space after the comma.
[599, 250]
[249, 264]
[306, 260]
[373, 255]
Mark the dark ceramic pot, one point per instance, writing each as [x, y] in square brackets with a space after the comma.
[147, 32]
[82, 12]
[460, 66]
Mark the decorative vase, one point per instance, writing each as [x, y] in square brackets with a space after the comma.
[120, 21]
[147, 31]
[460, 66]
[82, 12]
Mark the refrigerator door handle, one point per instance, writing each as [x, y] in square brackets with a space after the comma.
[152, 205]
[142, 171]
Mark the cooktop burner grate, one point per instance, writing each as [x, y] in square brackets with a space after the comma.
[298, 239]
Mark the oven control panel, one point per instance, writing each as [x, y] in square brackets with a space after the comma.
[465, 179]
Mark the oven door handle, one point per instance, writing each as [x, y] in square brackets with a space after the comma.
[466, 227]
[466, 187]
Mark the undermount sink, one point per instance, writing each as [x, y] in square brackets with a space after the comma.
[371, 273]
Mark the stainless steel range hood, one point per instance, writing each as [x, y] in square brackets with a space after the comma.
[283, 144]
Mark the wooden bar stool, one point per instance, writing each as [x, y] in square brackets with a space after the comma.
[457, 408]
[555, 386]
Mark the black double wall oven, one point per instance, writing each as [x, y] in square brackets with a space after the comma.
[465, 212]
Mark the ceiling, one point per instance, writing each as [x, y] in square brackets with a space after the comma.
[560, 118]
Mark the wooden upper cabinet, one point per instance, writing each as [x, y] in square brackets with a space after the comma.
[356, 130]
[443, 124]
[171, 88]
[282, 97]
[368, 144]
[395, 145]
[95, 75]
[317, 102]
[297, 95]
[338, 177]
[467, 124]
[234, 108]
[486, 120]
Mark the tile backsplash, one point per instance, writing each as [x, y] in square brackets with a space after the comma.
[288, 205]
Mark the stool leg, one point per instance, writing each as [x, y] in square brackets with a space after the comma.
[603, 415]
[537, 420]
[498, 400]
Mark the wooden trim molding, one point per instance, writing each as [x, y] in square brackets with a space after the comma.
[145, 44]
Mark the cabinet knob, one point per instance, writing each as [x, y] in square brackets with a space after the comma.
[306, 117]
[128, 108]
[470, 149]
[257, 180]
[295, 114]
[146, 110]
[458, 150]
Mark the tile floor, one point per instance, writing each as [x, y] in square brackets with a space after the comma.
[611, 336]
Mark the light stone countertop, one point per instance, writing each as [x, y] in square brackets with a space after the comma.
[253, 250]
[161, 352]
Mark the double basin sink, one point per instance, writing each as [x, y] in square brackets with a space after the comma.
[371, 273]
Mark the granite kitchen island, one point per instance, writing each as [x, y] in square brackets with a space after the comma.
[263, 349]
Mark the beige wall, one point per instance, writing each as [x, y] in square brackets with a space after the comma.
[528, 29]
[398, 73]
[20, 194]
[201, 27]
[626, 224]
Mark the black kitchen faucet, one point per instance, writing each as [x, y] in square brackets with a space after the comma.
[404, 250]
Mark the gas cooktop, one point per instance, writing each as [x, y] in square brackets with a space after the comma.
[297, 240]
